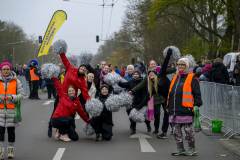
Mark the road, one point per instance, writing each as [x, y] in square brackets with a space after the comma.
[32, 142]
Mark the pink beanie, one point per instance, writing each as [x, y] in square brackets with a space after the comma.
[5, 64]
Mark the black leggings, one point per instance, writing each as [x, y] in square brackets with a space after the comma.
[97, 124]
[157, 116]
[133, 124]
[11, 133]
[64, 126]
[55, 106]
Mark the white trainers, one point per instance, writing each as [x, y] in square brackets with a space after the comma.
[10, 152]
[57, 135]
[65, 138]
[1, 153]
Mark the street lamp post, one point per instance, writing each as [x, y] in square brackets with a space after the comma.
[13, 49]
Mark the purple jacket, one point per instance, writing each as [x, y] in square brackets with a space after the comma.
[207, 67]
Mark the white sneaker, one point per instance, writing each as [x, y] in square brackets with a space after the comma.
[10, 152]
[57, 135]
[1, 153]
[65, 138]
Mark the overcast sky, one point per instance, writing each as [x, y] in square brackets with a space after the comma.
[84, 21]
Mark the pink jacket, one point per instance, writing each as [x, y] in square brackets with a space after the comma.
[207, 67]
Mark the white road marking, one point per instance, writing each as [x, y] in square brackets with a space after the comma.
[59, 154]
[77, 116]
[145, 146]
[48, 102]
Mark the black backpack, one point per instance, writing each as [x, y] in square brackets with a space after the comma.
[216, 73]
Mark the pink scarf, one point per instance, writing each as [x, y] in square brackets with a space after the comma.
[102, 74]
[151, 108]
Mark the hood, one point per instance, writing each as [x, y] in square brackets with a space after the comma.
[208, 66]
[14, 76]
[217, 64]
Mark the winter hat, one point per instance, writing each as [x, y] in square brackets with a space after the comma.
[137, 72]
[104, 85]
[130, 66]
[135, 65]
[199, 69]
[83, 65]
[154, 71]
[5, 64]
[186, 62]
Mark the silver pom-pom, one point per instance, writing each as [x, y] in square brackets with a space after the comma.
[73, 60]
[191, 59]
[85, 58]
[113, 78]
[112, 103]
[117, 88]
[125, 100]
[175, 53]
[60, 46]
[94, 107]
[138, 116]
[87, 128]
[49, 70]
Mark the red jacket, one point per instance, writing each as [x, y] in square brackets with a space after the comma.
[72, 78]
[67, 107]
[123, 73]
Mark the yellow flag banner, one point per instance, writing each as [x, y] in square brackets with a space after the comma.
[56, 22]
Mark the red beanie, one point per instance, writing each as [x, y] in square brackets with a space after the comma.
[5, 64]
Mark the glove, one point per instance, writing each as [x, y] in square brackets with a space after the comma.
[169, 51]
[139, 107]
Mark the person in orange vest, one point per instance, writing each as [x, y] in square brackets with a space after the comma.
[11, 91]
[184, 94]
[34, 76]
[111, 68]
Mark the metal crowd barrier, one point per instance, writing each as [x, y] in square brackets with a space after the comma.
[26, 89]
[221, 102]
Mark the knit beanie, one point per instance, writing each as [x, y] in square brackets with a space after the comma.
[154, 71]
[83, 65]
[137, 72]
[5, 64]
[104, 85]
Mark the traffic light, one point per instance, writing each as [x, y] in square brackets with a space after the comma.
[40, 39]
[97, 38]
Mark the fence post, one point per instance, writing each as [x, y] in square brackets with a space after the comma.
[215, 101]
[233, 108]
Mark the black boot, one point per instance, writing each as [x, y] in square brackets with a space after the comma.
[49, 132]
[133, 131]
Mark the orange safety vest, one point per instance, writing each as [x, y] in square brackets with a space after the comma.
[11, 90]
[34, 77]
[113, 71]
[187, 99]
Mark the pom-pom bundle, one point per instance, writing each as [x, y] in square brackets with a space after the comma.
[60, 46]
[191, 59]
[94, 107]
[49, 70]
[138, 116]
[85, 58]
[73, 60]
[113, 78]
[126, 100]
[87, 128]
[117, 88]
[175, 53]
[112, 103]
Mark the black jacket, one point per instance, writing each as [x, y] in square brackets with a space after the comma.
[237, 76]
[176, 94]
[106, 115]
[49, 81]
[225, 76]
[137, 96]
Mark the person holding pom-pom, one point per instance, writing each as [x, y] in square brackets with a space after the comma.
[62, 117]
[103, 124]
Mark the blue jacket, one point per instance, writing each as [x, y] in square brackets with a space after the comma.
[117, 71]
[27, 73]
[128, 78]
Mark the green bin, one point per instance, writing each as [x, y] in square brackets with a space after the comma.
[217, 126]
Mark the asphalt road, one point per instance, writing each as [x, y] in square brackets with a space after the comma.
[32, 142]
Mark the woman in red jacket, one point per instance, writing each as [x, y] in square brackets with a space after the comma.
[76, 78]
[67, 106]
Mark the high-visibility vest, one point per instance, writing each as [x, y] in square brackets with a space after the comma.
[113, 71]
[11, 90]
[187, 99]
[34, 77]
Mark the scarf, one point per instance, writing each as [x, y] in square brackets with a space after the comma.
[150, 107]
[72, 98]
[102, 75]
[7, 79]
